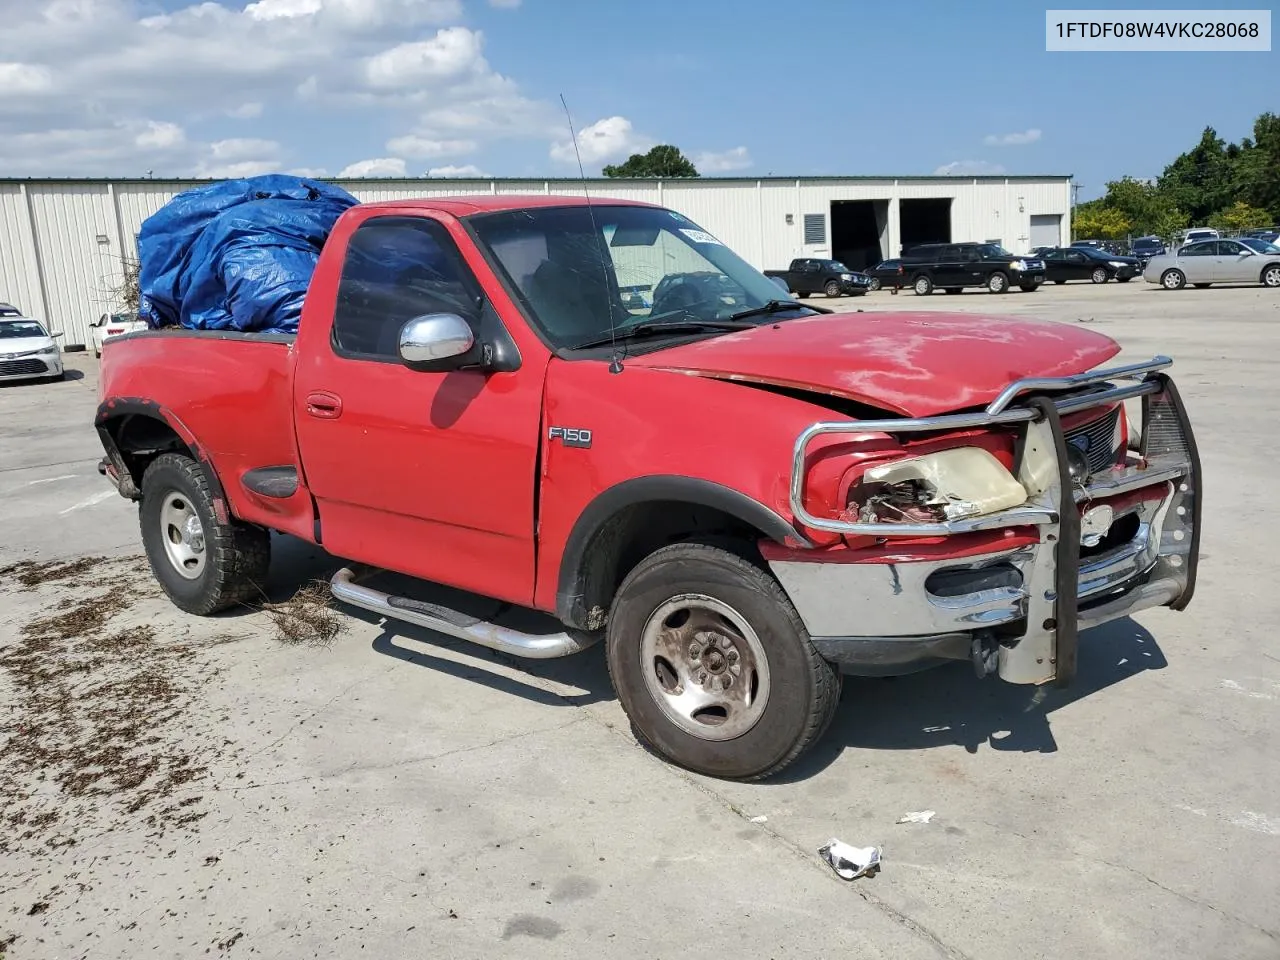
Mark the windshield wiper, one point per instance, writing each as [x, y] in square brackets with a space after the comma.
[665, 326]
[772, 306]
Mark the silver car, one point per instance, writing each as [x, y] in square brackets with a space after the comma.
[1216, 261]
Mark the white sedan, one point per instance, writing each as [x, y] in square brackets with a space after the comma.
[27, 350]
[113, 325]
[1216, 261]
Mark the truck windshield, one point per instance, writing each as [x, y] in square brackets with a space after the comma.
[579, 271]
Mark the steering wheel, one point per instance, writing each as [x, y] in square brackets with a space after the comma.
[681, 295]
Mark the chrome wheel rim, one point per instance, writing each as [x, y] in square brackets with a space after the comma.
[182, 535]
[922, 286]
[996, 282]
[1171, 280]
[705, 667]
[1272, 277]
[874, 284]
[1099, 276]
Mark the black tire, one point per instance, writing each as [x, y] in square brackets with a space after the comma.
[802, 296]
[922, 285]
[874, 284]
[1059, 281]
[236, 555]
[1270, 275]
[832, 289]
[998, 283]
[1099, 275]
[1123, 279]
[804, 689]
[1173, 279]
[1028, 287]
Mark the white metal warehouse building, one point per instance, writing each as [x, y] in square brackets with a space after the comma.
[63, 243]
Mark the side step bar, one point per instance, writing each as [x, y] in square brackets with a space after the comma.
[532, 646]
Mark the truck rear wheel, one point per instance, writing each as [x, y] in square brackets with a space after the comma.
[713, 665]
[833, 289]
[204, 565]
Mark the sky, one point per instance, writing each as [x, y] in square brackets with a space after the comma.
[167, 88]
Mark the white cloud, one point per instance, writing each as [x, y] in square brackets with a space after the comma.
[505, 4]
[246, 111]
[242, 168]
[736, 159]
[313, 172]
[19, 78]
[81, 80]
[450, 53]
[1019, 139]
[377, 167]
[282, 9]
[424, 148]
[243, 148]
[970, 168]
[606, 139]
[453, 170]
[160, 136]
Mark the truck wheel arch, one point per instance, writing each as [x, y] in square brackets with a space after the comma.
[134, 431]
[624, 523]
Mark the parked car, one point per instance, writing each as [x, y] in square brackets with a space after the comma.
[741, 504]
[1199, 233]
[113, 325]
[954, 266]
[27, 350]
[887, 273]
[1144, 248]
[1216, 261]
[808, 275]
[1089, 263]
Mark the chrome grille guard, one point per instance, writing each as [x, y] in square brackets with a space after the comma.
[1144, 380]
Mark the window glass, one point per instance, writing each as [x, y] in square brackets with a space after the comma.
[396, 269]
[571, 265]
[1207, 249]
[1228, 248]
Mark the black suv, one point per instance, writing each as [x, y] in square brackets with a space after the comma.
[954, 266]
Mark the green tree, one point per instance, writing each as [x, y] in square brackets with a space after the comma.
[1256, 170]
[1200, 180]
[1167, 225]
[662, 162]
[1240, 216]
[1097, 221]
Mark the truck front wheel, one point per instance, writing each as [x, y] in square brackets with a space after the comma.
[203, 564]
[713, 665]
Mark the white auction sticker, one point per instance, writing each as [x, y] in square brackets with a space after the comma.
[1136, 31]
[700, 236]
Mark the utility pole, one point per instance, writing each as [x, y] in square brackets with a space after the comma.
[1075, 197]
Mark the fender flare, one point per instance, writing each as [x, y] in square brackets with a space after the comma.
[570, 594]
[119, 407]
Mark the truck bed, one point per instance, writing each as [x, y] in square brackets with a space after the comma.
[234, 391]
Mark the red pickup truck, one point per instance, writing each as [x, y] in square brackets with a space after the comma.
[743, 496]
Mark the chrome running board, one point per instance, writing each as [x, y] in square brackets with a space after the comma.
[533, 646]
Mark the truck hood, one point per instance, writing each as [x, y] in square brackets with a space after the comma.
[913, 364]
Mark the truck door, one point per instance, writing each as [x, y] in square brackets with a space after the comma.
[429, 474]
[806, 274]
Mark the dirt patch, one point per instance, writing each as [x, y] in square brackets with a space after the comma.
[307, 618]
[93, 733]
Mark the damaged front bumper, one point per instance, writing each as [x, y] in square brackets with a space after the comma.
[1017, 611]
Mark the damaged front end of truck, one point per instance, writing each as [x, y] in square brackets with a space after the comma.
[996, 535]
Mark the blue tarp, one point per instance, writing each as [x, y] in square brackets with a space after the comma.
[236, 255]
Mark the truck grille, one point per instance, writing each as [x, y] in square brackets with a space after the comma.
[1095, 440]
[13, 368]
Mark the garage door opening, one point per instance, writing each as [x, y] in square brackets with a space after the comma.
[1046, 229]
[859, 232]
[924, 221]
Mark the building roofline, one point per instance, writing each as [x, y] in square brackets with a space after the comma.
[825, 178]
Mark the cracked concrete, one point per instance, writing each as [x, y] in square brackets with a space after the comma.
[399, 794]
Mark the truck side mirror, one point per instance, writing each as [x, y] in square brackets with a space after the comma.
[438, 342]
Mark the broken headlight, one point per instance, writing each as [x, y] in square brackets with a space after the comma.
[947, 485]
